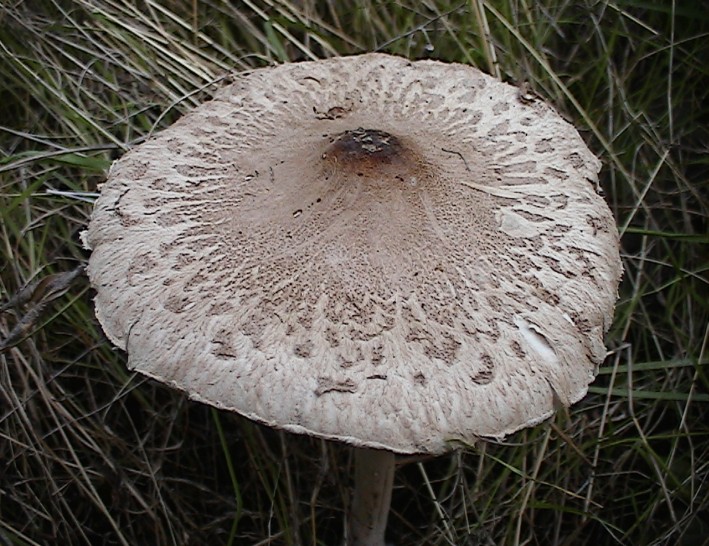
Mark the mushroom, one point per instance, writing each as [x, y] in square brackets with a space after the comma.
[403, 256]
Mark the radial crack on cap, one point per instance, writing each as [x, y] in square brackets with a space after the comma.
[534, 339]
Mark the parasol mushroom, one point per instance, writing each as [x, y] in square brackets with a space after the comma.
[403, 256]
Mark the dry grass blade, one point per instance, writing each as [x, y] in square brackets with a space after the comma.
[35, 297]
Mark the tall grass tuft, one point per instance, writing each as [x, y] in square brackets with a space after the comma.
[94, 455]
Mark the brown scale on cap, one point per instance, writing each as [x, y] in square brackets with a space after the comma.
[372, 153]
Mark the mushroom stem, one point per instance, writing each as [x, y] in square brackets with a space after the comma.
[374, 478]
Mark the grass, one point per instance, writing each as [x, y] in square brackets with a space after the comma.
[92, 454]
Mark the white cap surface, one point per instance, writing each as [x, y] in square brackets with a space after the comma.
[394, 254]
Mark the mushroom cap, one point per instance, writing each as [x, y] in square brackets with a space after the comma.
[395, 254]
